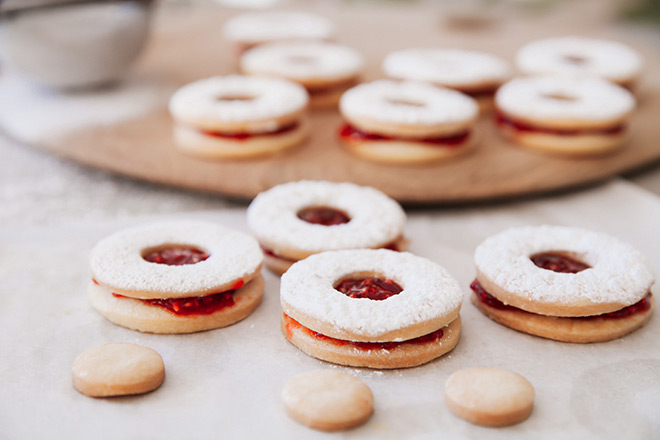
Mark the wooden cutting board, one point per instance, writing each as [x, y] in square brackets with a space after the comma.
[187, 44]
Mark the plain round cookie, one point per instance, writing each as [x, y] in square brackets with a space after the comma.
[118, 369]
[581, 56]
[619, 275]
[376, 220]
[328, 400]
[431, 298]
[489, 396]
[117, 262]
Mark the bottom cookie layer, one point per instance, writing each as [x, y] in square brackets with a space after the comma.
[403, 354]
[576, 330]
[138, 315]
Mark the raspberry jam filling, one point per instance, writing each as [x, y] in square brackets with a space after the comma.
[323, 216]
[639, 307]
[291, 325]
[245, 136]
[176, 256]
[349, 132]
[194, 305]
[375, 289]
[558, 263]
[488, 92]
[503, 120]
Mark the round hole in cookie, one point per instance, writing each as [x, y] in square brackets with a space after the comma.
[576, 60]
[405, 102]
[174, 254]
[302, 59]
[559, 261]
[237, 97]
[323, 215]
[368, 285]
[560, 97]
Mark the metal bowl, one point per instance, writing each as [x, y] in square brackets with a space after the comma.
[74, 44]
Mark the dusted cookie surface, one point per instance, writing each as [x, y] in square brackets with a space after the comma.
[328, 400]
[489, 396]
[118, 369]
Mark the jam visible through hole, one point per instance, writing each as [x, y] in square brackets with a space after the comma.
[376, 289]
[575, 59]
[176, 255]
[322, 215]
[230, 98]
[557, 262]
[406, 102]
[560, 97]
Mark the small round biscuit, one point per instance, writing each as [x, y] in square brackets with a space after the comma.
[328, 400]
[489, 396]
[564, 115]
[325, 69]
[407, 122]
[118, 369]
[581, 56]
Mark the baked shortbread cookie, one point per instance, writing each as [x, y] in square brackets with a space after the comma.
[489, 396]
[580, 56]
[118, 369]
[328, 400]
[564, 115]
[176, 277]
[326, 70]
[407, 122]
[239, 116]
[253, 28]
[371, 308]
[476, 74]
[563, 283]
[295, 220]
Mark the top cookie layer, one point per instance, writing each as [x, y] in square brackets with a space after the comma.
[431, 297]
[248, 103]
[261, 27]
[376, 219]
[618, 277]
[565, 102]
[447, 67]
[117, 264]
[580, 56]
[303, 61]
[413, 109]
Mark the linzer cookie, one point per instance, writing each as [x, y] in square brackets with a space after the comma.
[295, 220]
[239, 116]
[371, 308]
[326, 70]
[563, 283]
[476, 74]
[253, 28]
[407, 122]
[581, 56]
[176, 277]
[570, 116]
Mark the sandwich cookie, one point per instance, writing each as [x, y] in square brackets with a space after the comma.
[407, 122]
[570, 116]
[563, 283]
[581, 56]
[239, 116]
[253, 28]
[295, 220]
[326, 70]
[118, 369]
[371, 308]
[476, 74]
[176, 277]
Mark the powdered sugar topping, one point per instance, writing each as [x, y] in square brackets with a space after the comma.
[580, 56]
[116, 261]
[237, 99]
[429, 291]
[618, 273]
[407, 102]
[565, 98]
[303, 60]
[375, 219]
[447, 67]
[260, 27]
